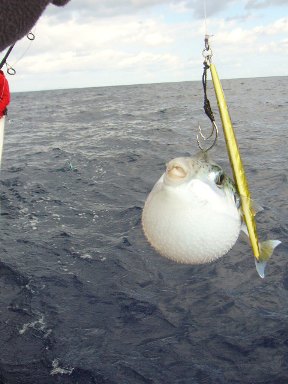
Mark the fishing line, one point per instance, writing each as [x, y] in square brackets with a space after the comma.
[10, 68]
[31, 37]
[205, 16]
[207, 54]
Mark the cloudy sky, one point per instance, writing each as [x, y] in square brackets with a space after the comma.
[114, 42]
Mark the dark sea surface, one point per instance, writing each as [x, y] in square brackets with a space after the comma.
[84, 298]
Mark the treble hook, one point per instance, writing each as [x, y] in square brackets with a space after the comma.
[214, 131]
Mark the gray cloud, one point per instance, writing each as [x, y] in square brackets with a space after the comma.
[253, 4]
[107, 8]
[96, 8]
[197, 7]
[87, 9]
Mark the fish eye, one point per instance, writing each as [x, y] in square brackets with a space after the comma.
[219, 179]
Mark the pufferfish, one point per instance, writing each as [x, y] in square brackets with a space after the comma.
[192, 215]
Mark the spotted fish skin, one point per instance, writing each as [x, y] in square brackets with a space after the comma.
[192, 214]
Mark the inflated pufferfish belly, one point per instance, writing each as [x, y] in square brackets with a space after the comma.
[191, 214]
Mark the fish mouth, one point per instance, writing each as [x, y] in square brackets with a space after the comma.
[176, 170]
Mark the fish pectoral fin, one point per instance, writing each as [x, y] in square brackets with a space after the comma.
[255, 207]
[244, 229]
[266, 251]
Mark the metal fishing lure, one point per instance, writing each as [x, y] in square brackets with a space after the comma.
[262, 250]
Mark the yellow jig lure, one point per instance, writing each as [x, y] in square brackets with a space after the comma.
[262, 250]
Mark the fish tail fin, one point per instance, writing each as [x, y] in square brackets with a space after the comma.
[266, 251]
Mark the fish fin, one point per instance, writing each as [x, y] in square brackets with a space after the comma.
[244, 229]
[260, 267]
[255, 207]
[266, 250]
[202, 155]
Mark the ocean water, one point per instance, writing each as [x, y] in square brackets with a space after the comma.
[84, 298]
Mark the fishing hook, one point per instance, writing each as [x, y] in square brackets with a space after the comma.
[214, 131]
[203, 136]
[207, 54]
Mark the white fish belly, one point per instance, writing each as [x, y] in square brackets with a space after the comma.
[190, 233]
